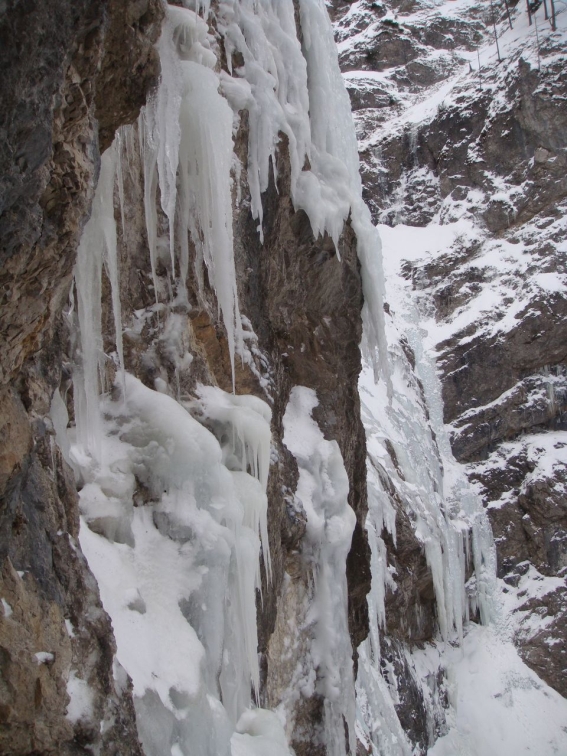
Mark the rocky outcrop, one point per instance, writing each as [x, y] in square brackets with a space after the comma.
[63, 691]
[58, 66]
[504, 377]
[57, 60]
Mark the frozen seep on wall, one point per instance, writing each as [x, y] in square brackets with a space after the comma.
[173, 490]
[410, 461]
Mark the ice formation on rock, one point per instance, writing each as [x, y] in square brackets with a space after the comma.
[173, 496]
[323, 490]
[446, 516]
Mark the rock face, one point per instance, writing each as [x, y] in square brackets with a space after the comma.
[88, 72]
[56, 60]
[73, 76]
[482, 158]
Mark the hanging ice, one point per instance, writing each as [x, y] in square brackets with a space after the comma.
[186, 139]
[98, 245]
[323, 490]
[244, 429]
[178, 575]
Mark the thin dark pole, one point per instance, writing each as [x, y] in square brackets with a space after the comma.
[546, 14]
[495, 34]
[537, 38]
[529, 11]
[508, 13]
[553, 24]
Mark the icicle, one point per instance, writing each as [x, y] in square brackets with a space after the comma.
[276, 98]
[148, 151]
[119, 147]
[60, 419]
[111, 163]
[205, 164]
[98, 244]
[88, 272]
[167, 134]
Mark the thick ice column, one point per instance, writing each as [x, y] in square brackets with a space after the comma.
[243, 422]
[98, 244]
[323, 489]
[179, 579]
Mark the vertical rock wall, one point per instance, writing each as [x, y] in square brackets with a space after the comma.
[71, 76]
[57, 60]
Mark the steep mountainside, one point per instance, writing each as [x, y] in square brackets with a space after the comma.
[164, 303]
[231, 523]
[464, 162]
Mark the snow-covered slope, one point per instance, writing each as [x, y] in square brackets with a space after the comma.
[465, 172]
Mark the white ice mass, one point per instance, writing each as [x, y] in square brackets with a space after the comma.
[178, 571]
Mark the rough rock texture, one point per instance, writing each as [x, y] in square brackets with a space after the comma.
[487, 150]
[56, 61]
[305, 309]
[504, 377]
[87, 72]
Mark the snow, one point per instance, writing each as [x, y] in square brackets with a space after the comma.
[6, 608]
[173, 494]
[44, 657]
[505, 289]
[80, 705]
[179, 574]
[259, 733]
[173, 497]
[497, 704]
[501, 707]
[427, 479]
[247, 419]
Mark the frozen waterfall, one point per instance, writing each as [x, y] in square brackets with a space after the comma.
[174, 492]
